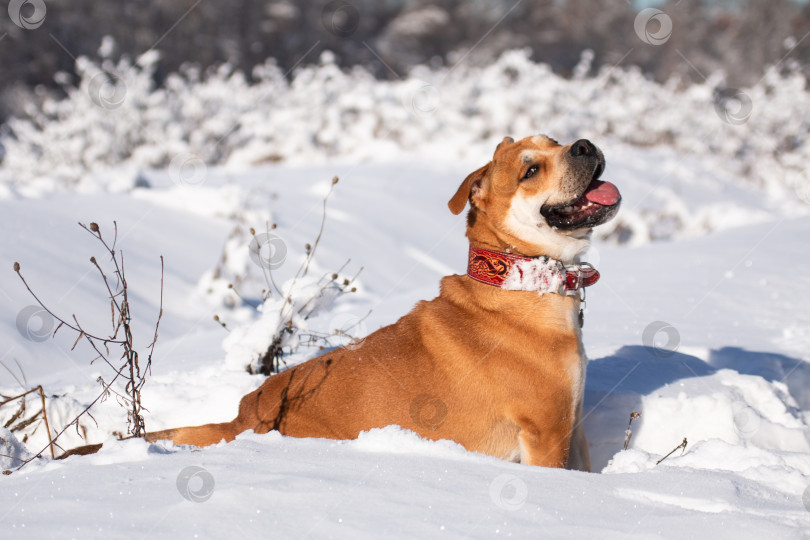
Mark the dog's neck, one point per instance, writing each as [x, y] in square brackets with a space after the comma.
[536, 274]
[567, 248]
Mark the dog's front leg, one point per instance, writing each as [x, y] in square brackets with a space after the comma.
[579, 457]
[545, 446]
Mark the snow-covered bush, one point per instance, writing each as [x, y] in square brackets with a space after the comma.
[117, 117]
[280, 323]
[272, 320]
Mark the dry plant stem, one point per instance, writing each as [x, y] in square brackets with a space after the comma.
[323, 223]
[20, 411]
[44, 412]
[232, 287]
[62, 322]
[629, 433]
[317, 336]
[270, 359]
[137, 378]
[10, 457]
[24, 382]
[151, 346]
[121, 335]
[73, 422]
[45, 417]
[221, 323]
[682, 446]
[267, 271]
[327, 275]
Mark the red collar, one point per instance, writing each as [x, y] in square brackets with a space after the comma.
[519, 273]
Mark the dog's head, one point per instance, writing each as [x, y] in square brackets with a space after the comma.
[537, 197]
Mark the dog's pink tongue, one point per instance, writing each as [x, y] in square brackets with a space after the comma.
[603, 193]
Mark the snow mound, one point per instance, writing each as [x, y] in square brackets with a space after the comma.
[396, 440]
[12, 451]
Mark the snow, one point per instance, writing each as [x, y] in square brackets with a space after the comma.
[11, 450]
[699, 322]
[542, 275]
[301, 299]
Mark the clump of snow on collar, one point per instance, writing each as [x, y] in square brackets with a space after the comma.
[541, 275]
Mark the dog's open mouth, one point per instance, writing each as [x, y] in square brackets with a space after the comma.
[598, 203]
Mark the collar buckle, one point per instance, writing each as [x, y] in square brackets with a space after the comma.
[573, 280]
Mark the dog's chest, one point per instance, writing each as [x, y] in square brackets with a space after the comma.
[569, 360]
[578, 363]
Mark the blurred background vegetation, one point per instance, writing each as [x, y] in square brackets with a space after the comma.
[740, 38]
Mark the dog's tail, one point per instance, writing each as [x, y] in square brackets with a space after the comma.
[196, 435]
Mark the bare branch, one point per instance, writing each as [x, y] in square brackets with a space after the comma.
[14, 375]
[54, 315]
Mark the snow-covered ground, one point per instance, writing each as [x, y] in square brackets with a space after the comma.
[705, 334]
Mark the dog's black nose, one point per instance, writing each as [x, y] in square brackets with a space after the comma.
[583, 147]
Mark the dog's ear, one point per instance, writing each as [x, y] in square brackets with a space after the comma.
[470, 187]
[506, 140]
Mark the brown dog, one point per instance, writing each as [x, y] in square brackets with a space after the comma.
[496, 361]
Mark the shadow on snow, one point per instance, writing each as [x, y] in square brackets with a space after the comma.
[635, 371]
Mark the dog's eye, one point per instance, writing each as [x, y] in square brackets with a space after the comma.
[529, 173]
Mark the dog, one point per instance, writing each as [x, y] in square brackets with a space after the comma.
[496, 361]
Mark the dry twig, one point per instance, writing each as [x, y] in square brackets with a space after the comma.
[629, 433]
[683, 449]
